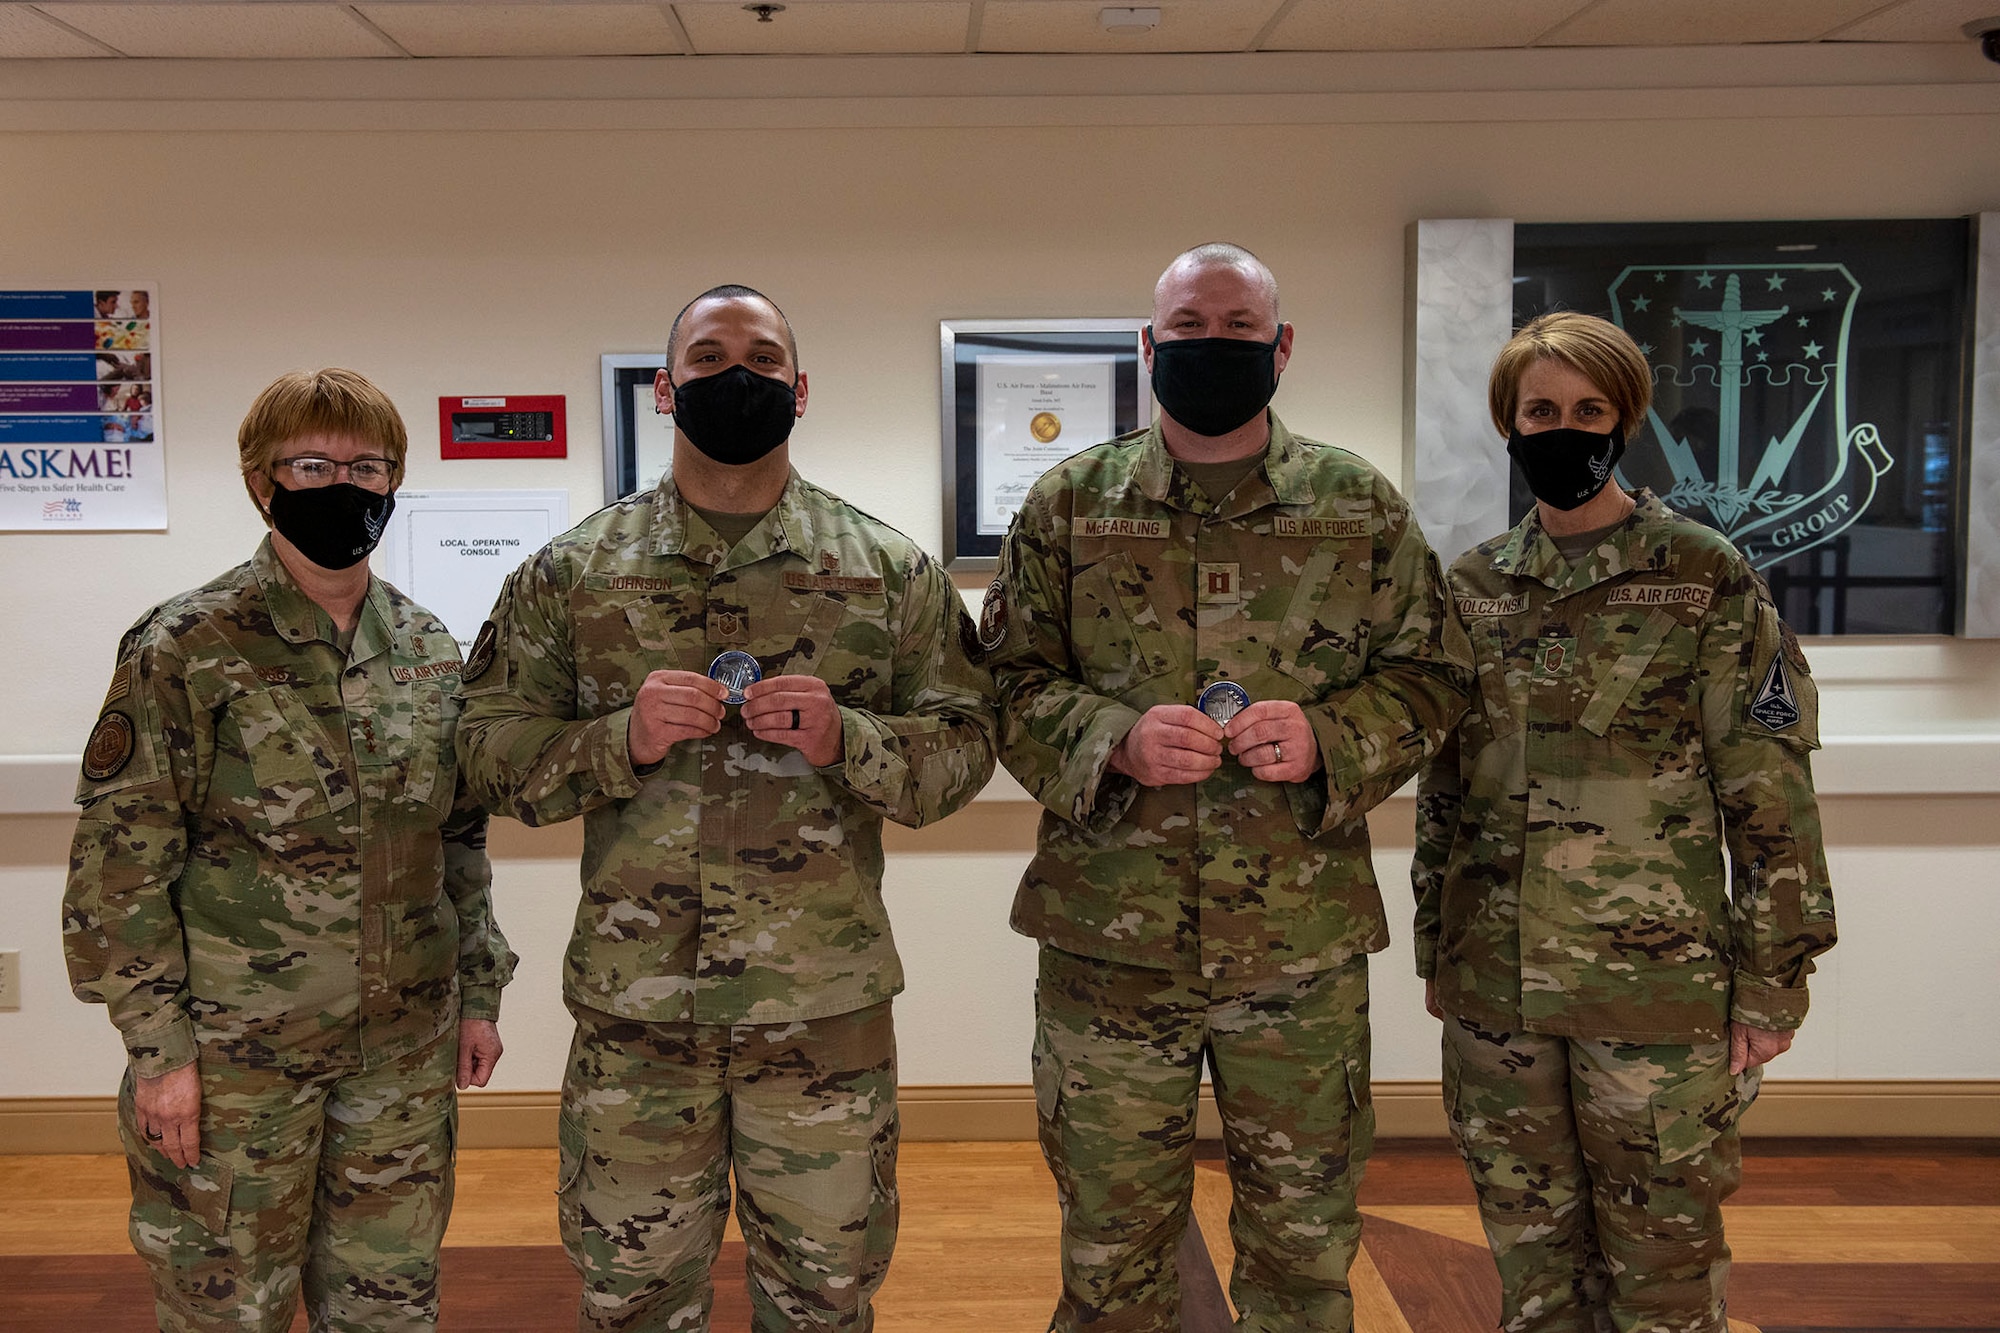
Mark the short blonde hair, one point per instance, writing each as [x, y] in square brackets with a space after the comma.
[1595, 348]
[319, 402]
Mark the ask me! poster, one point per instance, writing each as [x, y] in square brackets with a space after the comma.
[80, 437]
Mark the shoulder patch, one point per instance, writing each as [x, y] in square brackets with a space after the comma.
[481, 656]
[1776, 707]
[992, 630]
[109, 748]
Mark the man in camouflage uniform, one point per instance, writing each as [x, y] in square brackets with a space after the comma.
[1202, 883]
[280, 891]
[732, 965]
[1640, 707]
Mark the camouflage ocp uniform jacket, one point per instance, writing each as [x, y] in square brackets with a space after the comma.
[735, 882]
[275, 861]
[1636, 713]
[1122, 587]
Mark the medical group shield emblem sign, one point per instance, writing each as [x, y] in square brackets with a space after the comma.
[1807, 395]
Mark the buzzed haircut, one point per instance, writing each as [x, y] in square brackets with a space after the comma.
[730, 291]
[1223, 254]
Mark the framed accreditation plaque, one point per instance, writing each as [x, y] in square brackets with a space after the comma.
[1017, 397]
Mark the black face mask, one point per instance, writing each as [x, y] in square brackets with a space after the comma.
[1214, 385]
[1565, 467]
[334, 526]
[736, 416]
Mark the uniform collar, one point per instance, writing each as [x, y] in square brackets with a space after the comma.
[1285, 477]
[679, 530]
[1639, 543]
[300, 619]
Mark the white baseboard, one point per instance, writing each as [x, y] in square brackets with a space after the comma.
[1804, 1108]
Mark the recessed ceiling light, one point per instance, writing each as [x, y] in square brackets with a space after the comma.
[1128, 22]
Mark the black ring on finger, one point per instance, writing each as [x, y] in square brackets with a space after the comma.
[154, 1135]
[795, 719]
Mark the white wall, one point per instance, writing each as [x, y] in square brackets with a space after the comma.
[448, 231]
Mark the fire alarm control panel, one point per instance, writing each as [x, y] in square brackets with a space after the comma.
[516, 426]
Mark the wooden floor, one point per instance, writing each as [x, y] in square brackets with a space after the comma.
[1829, 1236]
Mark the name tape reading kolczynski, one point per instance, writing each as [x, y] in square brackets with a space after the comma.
[735, 670]
[1223, 700]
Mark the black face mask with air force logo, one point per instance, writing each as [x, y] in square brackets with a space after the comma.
[334, 526]
[1565, 467]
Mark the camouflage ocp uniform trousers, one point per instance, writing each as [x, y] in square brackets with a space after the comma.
[1118, 1060]
[654, 1118]
[1601, 1167]
[340, 1183]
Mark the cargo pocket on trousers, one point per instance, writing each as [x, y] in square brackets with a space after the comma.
[1047, 1072]
[185, 1213]
[885, 1208]
[1691, 1112]
[569, 1183]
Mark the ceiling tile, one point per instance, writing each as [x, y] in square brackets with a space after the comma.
[1398, 25]
[1708, 22]
[26, 35]
[827, 27]
[525, 29]
[1072, 25]
[228, 31]
[1921, 21]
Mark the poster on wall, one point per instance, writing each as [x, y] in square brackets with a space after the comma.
[81, 442]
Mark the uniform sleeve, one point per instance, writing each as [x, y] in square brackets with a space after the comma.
[1056, 733]
[935, 752]
[1760, 724]
[1440, 797]
[521, 746]
[144, 772]
[1374, 736]
[485, 963]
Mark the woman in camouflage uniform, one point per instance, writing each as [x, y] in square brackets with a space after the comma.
[278, 888]
[1609, 990]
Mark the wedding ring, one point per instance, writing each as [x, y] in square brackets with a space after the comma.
[795, 719]
[1278, 753]
[154, 1135]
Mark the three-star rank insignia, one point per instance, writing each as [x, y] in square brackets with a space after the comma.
[481, 656]
[109, 748]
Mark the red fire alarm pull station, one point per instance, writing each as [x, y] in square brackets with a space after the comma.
[518, 426]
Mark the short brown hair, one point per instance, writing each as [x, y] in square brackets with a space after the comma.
[319, 402]
[1594, 348]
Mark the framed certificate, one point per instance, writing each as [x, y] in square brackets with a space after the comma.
[1018, 396]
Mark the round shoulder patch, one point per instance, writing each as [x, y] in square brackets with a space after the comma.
[481, 656]
[993, 616]
[109, 748]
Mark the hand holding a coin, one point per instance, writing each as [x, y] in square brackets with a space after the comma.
[1272, 739]
[1171, 746]
[168, 1111]
[798, 711]
[672, 706]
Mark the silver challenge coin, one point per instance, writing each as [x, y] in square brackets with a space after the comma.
[1223, 700]
[735, 670]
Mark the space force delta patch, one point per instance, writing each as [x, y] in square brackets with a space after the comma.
[1776, 707]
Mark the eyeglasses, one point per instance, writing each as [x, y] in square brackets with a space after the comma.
[309, 472]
